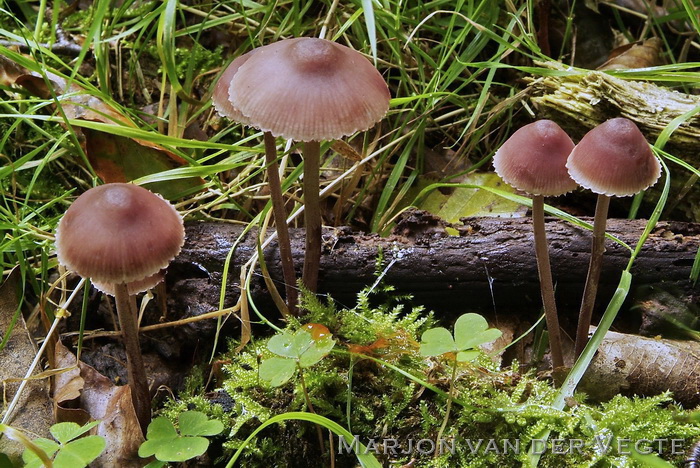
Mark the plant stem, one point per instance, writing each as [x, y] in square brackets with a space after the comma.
[546, 284]
[280, 213]
[319, 432]
[136, 372]
[450, 396]
[312, 216]
[591, 289]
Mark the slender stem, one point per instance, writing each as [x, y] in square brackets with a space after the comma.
[136, 372]
[312, 207]
[591, 289]
[319, 432]
[450, 397]
[280, 213]
[546, 284]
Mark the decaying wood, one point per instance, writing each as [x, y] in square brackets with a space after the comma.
[635, 365]
[580, 101]
[491, 262]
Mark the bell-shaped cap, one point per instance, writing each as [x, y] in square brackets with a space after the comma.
[220, 98]
[533, 159]
[119, 233]
[133, 287]
[614, 159]
[306, 89]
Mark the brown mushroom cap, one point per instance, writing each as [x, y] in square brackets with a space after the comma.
[220, 97]
[533, 159]
[614, 159]
[119, 233]
[306, 89]
[133, 287]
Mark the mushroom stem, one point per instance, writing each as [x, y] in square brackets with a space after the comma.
[591, 288]
[312, 210]
[546, 284]
[136, 372]
[285, 246]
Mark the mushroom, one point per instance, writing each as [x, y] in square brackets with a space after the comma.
[533, 160]
[309, 90]
[613, 159]
[122, 236]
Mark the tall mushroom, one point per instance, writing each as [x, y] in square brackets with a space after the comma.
[533, 160]
[613, 159]
[122, 237]
[309, 90]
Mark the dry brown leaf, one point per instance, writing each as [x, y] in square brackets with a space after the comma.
[114, 158]
[108, 403]
[33, 412]
[635, 55]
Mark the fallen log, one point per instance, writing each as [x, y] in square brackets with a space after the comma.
[490, 264]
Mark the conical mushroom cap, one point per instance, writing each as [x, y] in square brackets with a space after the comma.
[308, 89]
[220, 97]
[119, 233]
[614, 159]
[134, 287]
[533, 159]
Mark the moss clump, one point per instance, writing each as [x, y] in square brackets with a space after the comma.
[373, 385]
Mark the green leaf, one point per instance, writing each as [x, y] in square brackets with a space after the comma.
[66, 431]
[317, 351]
[181, 449]
[161, 428]
[277, 370]
[167, 445]
[290, 345]
[79, 453]
[472, 330]
[155, 464]
[195, 423]
[31, 460]
[5, 461]
[437, 341]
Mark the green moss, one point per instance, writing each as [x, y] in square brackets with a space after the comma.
[499, 413]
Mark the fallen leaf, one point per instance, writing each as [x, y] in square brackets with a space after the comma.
[635, 55]
[110, 404]
[33, 411]
[114, 158]
[464, 202]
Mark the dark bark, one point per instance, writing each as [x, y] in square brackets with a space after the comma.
[491, 261]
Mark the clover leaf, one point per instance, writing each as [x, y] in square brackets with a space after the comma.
[164, 441]
[295, 350]
[70, 451]
[470, 331]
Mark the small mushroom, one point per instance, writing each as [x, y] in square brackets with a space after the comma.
[309, 90]
[613, 159]
[122, 237]
[533, 160]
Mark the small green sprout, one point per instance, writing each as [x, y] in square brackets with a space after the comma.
[297, 350]
[69, 450]
[164, 441]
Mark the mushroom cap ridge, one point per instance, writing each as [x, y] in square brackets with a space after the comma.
[308, 89]
[614, 159]
[119, 233]
[533, 159]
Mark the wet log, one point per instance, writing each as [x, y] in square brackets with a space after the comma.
[489, 266]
